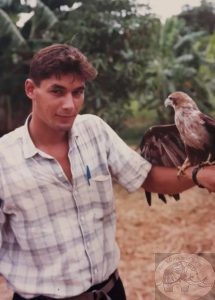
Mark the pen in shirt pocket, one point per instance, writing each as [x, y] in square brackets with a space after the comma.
[88, 174]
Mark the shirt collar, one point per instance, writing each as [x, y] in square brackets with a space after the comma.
[73, 134]
[29, 149]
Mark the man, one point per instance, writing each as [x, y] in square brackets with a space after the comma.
[57, 216]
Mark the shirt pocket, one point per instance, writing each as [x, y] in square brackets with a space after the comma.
[102, 196]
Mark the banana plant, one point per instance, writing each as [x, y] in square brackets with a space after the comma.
[8, 30]
[16, 48]
[42, 20]
[174, 65]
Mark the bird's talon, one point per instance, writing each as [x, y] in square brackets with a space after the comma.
[208, 162]
[180, 171]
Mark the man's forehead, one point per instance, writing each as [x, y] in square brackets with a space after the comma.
[64, 81]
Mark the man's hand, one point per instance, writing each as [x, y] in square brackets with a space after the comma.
[206, 177]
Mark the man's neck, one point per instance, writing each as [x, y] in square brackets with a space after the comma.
[45, 137]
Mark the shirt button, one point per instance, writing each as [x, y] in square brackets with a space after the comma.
[95, 270]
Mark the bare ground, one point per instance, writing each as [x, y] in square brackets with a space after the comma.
[187, 226]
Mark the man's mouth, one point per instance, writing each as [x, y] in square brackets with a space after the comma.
[66, 116]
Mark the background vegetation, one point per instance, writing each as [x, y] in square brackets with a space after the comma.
[139, 59]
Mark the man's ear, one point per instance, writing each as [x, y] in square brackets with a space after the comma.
[29, 88]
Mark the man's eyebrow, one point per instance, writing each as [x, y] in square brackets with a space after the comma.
[57, 86]
[81, 87]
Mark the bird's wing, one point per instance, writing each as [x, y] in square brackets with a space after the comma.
[209, 123]
[161, 145]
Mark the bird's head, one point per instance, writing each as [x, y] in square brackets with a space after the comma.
[180, 100]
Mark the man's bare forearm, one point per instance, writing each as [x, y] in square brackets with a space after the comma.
[165, 180]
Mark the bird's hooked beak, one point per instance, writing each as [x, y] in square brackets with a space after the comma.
[167, 102]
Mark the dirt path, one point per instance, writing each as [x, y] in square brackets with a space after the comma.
[185, 226]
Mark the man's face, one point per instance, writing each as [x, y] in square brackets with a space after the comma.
[56, 101]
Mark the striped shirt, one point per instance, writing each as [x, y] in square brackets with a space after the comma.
[57, 238]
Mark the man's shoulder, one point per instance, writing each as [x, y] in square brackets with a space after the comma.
[89, 127]
[85, 118]
[11, 139]
[88, 121]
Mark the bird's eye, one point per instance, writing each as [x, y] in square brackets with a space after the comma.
[171, 98]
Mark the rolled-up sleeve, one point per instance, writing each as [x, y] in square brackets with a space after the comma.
[127, 166]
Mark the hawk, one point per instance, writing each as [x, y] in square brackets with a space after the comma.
[188, 142]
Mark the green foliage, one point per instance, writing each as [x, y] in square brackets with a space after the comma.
[42, 20]
[137, 57]
[176, 64]
[200, 18]
[9, 31]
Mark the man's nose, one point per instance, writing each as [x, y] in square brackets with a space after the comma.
[68, 102]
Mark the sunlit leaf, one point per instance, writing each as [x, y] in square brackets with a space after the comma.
[9, 29]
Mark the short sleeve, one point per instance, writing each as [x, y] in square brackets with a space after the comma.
[127, 166]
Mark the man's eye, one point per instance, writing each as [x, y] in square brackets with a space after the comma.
[57, 92]
[77, 93]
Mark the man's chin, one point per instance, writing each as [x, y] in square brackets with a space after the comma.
[65, 127]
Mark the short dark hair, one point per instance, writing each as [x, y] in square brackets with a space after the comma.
[59, 59]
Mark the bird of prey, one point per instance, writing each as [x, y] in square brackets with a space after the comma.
[196, 129]
[190, 141]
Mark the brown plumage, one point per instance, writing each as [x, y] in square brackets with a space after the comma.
[196, 129]
[162, 146]
[187, 142]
